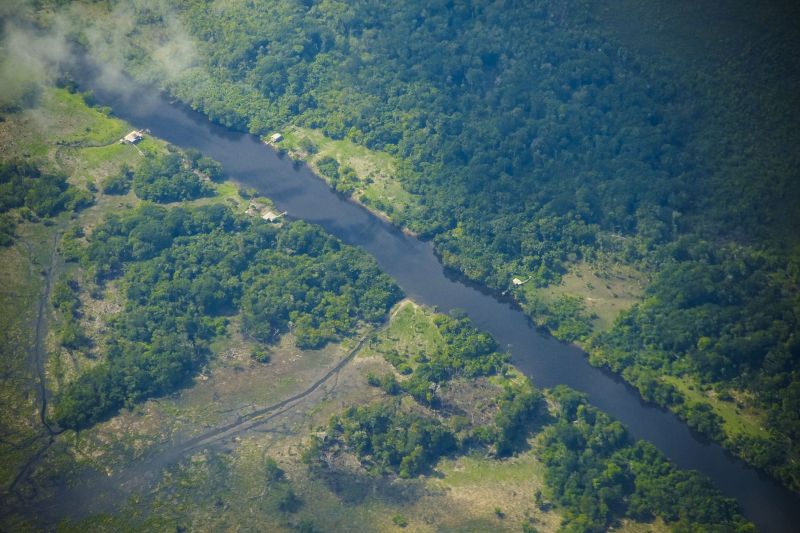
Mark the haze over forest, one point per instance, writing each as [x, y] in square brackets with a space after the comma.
[179, 352]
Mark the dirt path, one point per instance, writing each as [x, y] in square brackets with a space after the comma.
[265, 414]
[39, 352]
[96, 492]
[39, 358]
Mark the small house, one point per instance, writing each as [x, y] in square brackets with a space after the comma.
[276, 138]
[272, 216]
[133, 137]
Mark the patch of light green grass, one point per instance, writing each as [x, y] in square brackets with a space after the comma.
[476, 470]
[410, 331]
[77, 123]
[656, 526]
[226, 190]
[378, 187]
[606, 289]
[96, 163]
[737, 420]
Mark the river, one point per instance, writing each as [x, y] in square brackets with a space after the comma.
[415, 267]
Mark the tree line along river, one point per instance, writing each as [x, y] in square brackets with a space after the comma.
[415, 267]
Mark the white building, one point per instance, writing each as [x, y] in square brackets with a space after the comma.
[133, 137]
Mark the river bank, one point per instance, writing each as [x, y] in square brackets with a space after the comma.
[413, 264]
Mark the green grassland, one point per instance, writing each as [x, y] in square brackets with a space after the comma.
[737, 416]
[223, 483]
[377, 187]
[62, 121]
[224, 488]
[604, 289]
[410, 331]
[485, 485]
[66, 135]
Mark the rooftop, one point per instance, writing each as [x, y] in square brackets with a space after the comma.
[133, 137]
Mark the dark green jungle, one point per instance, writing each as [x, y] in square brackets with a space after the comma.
[534, 143]
[533, 139]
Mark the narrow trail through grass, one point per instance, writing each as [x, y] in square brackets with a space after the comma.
[38, 357]
[70, 500]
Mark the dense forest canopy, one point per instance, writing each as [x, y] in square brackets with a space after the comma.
[34, 194]
[146, 294]
[532, 139]
[184, 271]
[596, 470]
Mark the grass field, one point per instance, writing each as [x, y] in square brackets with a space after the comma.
[68, 136]
[411, 331]
[378, 187]
[606, 289]
[738, 419]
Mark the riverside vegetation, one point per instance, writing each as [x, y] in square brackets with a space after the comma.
[529, 140]
[184, 270]
[169, 283]
[592, 467]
